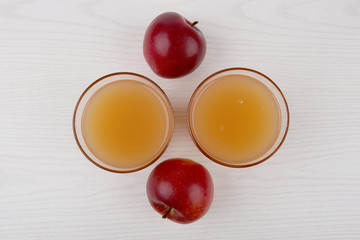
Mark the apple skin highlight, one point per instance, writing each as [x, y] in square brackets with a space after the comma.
[173, 46]
[180, 190]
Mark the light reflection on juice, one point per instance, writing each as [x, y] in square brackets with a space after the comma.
[234, 119]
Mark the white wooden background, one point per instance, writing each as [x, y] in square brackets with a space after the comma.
[50, 51]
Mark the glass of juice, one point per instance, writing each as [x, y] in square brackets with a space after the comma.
[238, 117]
[123, 122]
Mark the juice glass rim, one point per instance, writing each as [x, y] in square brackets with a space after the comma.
[169, 111]
[285, 130]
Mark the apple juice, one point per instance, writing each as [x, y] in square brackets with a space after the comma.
[125, 124]
[234, 119]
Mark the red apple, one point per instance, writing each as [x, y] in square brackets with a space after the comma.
[173, 46]
[180, 190]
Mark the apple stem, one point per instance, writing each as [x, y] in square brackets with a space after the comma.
[194, 23]
[167, 213]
